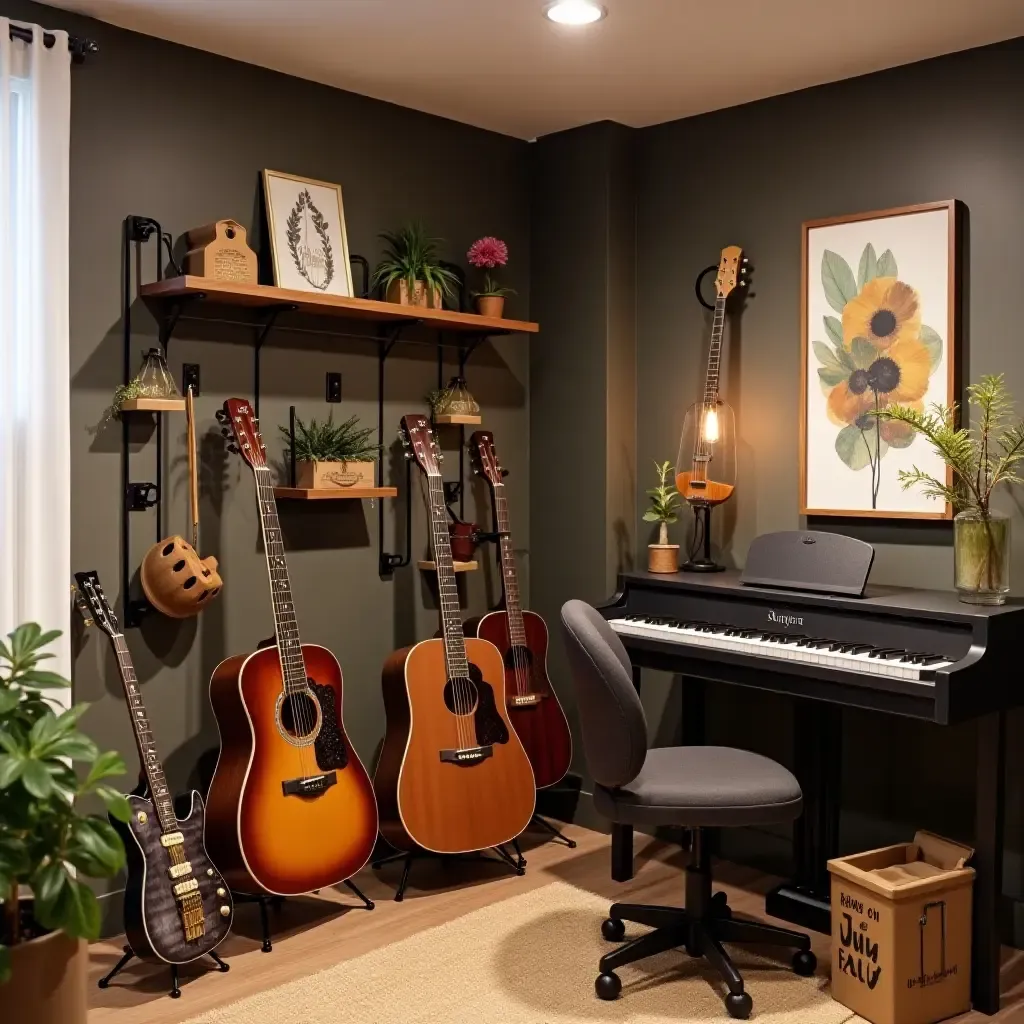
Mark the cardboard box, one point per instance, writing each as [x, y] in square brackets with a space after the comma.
[901, 931]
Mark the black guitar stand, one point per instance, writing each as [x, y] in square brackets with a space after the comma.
[266, 902]
[175, 992]
[552, 831]
[517, 863]
[701, 538]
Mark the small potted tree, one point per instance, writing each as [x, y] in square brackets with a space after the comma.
[332, 455]
[47, 846]
[663, 557]
[487, 253]
[410, 272]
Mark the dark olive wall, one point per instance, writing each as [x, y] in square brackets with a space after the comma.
[181, 135]
[949, 127]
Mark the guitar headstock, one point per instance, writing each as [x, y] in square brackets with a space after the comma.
[245, 426]
[485, 458]
[418, 439]
[92, 603]
[732, 271]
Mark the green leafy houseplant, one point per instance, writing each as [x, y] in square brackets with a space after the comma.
[981, 457]
[328, 441]
[411, 257]
[664, 502]
[46, 844]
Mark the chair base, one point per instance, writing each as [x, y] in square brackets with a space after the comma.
[700, 929]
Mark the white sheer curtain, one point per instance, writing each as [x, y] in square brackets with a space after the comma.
[35, 441]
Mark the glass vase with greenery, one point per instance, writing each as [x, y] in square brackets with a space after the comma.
[411, 259]
[664, 502]
[328, 441]
[981, 458]
[47, 846]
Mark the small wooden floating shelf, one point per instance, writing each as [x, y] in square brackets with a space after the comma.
[456, 419]
[459, 566]
[153, 405]
[234, 293]
[333, 493]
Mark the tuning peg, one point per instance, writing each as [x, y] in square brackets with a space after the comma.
[440, 456]
[234, 449]
[745, 260]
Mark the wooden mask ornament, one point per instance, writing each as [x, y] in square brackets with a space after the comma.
[175, 579]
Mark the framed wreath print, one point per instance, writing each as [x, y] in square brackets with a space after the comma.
[306, 221]
[880, 306]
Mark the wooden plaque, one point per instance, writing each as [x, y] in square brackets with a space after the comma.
[219, 251]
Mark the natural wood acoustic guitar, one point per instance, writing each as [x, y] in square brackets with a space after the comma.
[453, 776]
[522, 640]
[290, 808]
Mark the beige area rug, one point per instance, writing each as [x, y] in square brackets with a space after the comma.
[531, 959]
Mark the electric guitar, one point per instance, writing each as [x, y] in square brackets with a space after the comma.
[290, 807]
[522, 640]
[453, 776]
[177, 908]
[706, 464]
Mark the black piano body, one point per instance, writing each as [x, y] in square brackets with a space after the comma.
[966, 657]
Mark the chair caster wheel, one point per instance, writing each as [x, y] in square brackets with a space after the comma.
[739, 1005]
[613, 930]
[608, 986]
[804, 963]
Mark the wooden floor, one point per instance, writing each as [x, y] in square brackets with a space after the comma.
[313, 933]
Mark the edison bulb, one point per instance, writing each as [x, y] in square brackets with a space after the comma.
[710, 430]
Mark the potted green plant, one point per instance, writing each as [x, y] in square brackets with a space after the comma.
[331, 455]
[980, 458]
[410, 272]
[663, 557]
[487, 253]
[47, 846]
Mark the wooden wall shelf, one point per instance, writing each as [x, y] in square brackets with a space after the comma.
[153, 405]
[460, 420]
[459, 566]
[333, 493]
[262, 296]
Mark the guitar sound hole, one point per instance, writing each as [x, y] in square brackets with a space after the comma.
[298, 714]
[460, 696]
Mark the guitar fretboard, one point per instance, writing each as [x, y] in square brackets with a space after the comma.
[151, 766]
[715, 354]
[448, 591]
[509, 574]
[286, 628]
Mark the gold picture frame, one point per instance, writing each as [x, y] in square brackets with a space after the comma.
[308, 239]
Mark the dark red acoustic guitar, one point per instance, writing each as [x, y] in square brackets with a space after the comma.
[522, 640]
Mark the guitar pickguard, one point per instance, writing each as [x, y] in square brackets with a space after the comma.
[329, 745]
[490, 726]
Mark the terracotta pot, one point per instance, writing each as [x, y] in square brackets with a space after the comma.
[47, 983]
[490, 305]
[330, 475]
[663, 557]
[398, 291]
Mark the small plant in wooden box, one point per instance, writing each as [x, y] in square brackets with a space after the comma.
[410, 272]
[663, 557]
[331, 455]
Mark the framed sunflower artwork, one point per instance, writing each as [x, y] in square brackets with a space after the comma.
[880, 303]
[306, 222]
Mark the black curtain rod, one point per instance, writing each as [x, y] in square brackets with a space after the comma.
[77, 46]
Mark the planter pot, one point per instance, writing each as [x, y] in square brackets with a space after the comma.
[490, 305]
[330, 475]
[663, 557]
[981, 557]
[398, 291]
[47, 983]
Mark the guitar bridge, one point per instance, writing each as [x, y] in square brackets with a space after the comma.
[468, 756]
[525, 700]
[309, 785]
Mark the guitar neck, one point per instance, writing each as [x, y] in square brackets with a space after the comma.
[286, 627]
[151, 765]
[715, 353]
[509, 573]
[448, 591]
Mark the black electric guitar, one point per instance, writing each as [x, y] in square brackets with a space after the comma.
[177, 908]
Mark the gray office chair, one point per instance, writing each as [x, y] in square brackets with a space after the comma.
[693, 787]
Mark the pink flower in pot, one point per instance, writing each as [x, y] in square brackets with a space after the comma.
[487, 253]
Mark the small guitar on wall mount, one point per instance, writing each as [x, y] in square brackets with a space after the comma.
[177, 908]
[706, 465]
[290, 807]
[453, 776]
[522, 640]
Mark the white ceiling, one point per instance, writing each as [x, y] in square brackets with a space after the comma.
[501, 65]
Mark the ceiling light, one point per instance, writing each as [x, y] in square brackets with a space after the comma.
[575, 12]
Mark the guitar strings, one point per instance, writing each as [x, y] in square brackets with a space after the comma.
[717, 328]
[520, 666]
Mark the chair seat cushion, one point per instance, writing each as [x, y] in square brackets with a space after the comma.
[703, 786]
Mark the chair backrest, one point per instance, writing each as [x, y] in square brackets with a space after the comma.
[611, 717]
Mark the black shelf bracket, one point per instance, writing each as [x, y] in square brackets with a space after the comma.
[270, 315]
